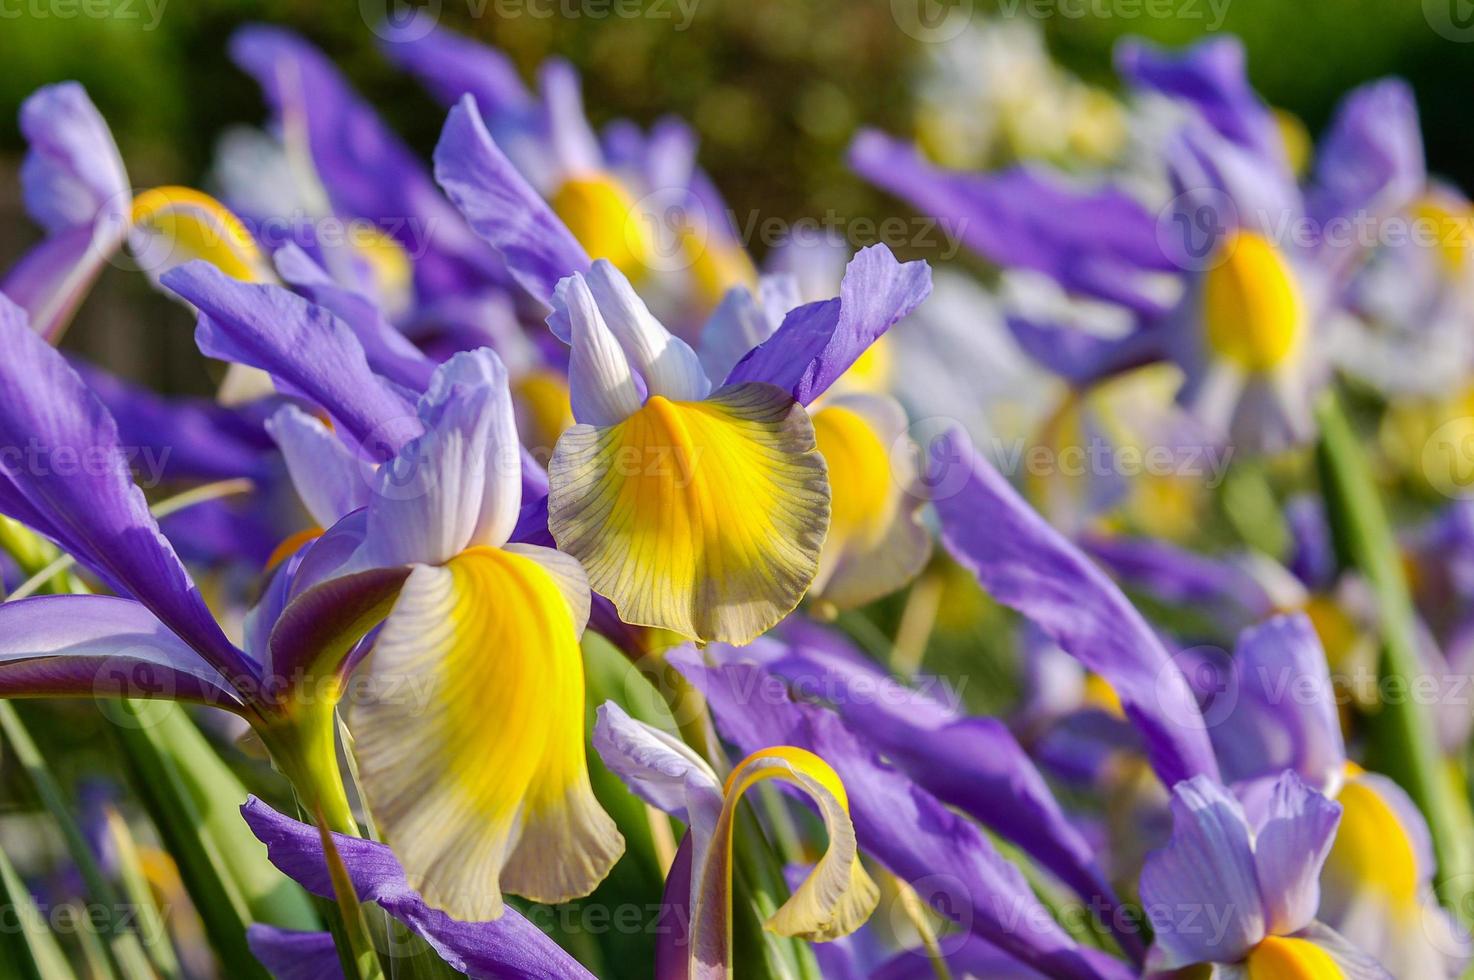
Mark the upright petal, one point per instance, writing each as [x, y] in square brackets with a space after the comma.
[51, 280]
[1200, 891]
[511, 948]
[450, 66]
[667, 364]
[460, 483]
[304, 346]
[72, 175]
[602, 388]
[1289, 849]
[659, 768]
[818, 342]
[330, 481]
[501, 207]
[1025, 564]
[473, 764]
[705, 518]
[69, 477]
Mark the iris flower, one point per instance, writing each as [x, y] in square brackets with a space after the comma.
[1242, 895]
[834, 900]
[1234, 280]
[431, 490]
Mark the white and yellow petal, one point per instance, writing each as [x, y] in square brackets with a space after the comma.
[876, 541]
[469, 734]
[172, 225]
[705, 518]
[833, 901]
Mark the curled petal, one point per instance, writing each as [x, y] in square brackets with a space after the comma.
[173, 225]
[471, 743]
[705, 518]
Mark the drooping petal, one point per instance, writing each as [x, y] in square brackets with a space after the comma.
[473, 763]
[330, 481]
[72, 175]
[876, 542]
[94, 646]
[459, 484]
[68, 476]
[705, 518]
[511, 948]
[947, 858]
[301, 345]
[1199, 890]
[818, 342]
[602, 388]
[835, 898]
[659, 768]
[501, 207]
[1289, 848]
[1025, 564]
[174, 225]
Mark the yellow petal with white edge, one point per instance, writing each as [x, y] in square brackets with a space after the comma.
[876, 542]
[704, 518]
[833, 901]
[468, 725]
[173, 225]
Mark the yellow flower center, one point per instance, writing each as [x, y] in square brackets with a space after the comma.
[1252, 308]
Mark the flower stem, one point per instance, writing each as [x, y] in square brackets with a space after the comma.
[1365, 540]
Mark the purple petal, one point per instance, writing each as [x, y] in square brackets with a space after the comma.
[389, 352]
[502, 207]
[509, 948]
[1096, 241]
[1200, 891]
[95, 645]
[51, 280]
[304, 346]
[1081, 357]
[1289, 850]
[817, 343]
[1025, 564]
[1183, 577]
[451, 66]
[950, 862]
[1211, 77]
[319, 628]
[291, 955]
[70, 478]
[1285, 713]
[974, 764]
[72, 174]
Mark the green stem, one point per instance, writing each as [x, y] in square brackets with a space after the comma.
[1364, 537]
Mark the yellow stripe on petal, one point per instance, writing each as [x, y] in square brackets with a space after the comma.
[1252, 308]
[389, 264]
[470, 736]
[876, 542]
[704, 518]
[183, 224]
[602, 216]
[833, 901]
[1288, 958]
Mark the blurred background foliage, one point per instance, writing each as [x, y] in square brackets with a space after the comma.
[775, 88]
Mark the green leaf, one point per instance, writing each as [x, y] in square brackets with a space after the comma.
[30, 950]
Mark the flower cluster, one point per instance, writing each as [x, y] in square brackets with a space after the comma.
[576, 570]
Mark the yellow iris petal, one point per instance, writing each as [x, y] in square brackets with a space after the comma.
[186, 224]
[716, 265]
[543, 410]
[1252, 308]
[603, 217]
[1449, 232]
[1287, 958]
[704, 518]
[1295, 138]
[876, 543]
[833, 901]
[389, 264]
[1372, 848]
[470, 735]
